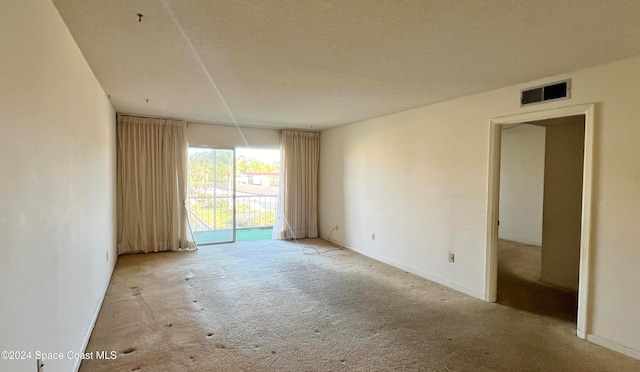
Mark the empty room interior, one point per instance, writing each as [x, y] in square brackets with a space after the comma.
[308, 185]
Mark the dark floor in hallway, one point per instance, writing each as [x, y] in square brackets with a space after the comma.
[520, 287]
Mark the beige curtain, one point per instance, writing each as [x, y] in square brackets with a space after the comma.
[297, 216]
[152, 179]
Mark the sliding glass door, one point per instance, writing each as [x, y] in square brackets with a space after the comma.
[210, 200]
[258, 174]
[215, 215]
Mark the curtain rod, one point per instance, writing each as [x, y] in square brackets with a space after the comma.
[150, 116]
[211, 122]
[302, 130]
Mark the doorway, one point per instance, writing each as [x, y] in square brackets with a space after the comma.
[541, 167]
[584, 222]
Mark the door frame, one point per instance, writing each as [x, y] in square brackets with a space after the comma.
[233, 182]
[493, 199]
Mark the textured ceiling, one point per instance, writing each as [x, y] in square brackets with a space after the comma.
[303, 63]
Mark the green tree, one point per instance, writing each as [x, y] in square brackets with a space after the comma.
[224, 166]
[202, 167]
[255, 165]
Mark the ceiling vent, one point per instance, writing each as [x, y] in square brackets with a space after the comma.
[551, 92]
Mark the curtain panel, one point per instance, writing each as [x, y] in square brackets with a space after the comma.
[297, 215]
[152, 185]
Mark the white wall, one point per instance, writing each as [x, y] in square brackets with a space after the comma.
[522, 183]
[562, 219]
[227, 136]
[419, 180]
[57, 189]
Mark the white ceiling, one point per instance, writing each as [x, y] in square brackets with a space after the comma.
[322, 63]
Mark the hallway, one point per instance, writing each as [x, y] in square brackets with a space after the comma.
[520, 287]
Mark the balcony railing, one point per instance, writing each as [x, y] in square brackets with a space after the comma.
[207, 213]
[255, 211]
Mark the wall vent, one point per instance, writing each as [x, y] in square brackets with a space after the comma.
[550, 92]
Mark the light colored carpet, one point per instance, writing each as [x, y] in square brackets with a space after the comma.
[266, 306]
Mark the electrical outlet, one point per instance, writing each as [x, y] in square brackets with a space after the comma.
[337, 227]
[452, 257]
[373, 236]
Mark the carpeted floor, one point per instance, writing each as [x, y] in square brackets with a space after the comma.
[266, 306]
[519, 284]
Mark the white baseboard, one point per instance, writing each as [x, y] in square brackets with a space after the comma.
[614, 346]
[419, 273]
[94, 318]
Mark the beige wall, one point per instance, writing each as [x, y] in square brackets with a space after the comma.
[562, 217]
[227, 136]
[57, 189]
[419, 180]
[522, 183]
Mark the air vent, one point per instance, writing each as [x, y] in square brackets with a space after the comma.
[551, 92]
